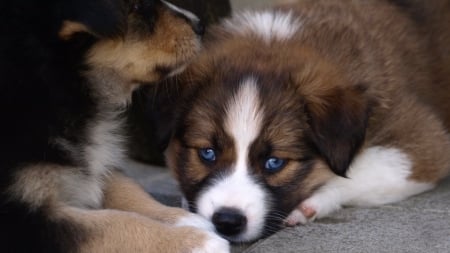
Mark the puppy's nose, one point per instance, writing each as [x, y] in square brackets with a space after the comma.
[198, 27]
[229, 221]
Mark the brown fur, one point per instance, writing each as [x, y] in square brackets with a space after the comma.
[141, 57]
[357, 74]
[380, 69]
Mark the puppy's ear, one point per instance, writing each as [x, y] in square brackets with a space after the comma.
[97, 18]
[338, 119]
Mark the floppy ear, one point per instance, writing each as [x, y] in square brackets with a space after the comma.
[338, 119]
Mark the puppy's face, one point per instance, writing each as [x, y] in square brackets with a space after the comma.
[261, 129]
[140, 41]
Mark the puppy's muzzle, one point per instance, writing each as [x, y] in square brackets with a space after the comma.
[229, 221]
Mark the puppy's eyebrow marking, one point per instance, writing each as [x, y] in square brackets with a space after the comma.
[269, 25]
[69, 28]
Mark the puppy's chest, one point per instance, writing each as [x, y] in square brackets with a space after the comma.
[104, 147]
[101, 152]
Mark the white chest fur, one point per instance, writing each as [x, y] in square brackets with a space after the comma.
[83, 187]
[78, 186]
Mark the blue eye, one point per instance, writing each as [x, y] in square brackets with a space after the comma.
[207, 154]
[274, 164]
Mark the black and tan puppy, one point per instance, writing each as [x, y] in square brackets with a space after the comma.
[297, 111]
[67, 71]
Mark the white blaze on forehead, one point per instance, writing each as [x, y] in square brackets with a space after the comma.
[243, 119]
[239, 190]
[268, 25]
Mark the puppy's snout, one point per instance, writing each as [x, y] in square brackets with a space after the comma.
[229, 221]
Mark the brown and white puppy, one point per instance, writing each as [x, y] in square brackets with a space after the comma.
[67, 70]
[297, 111]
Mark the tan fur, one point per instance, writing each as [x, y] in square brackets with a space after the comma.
[116, 231]
[136, 58]
[122, 193]
[36, 186]
[320, 174]
[69, 28]
[46, 184]
[131, 220]
[194, 175]
[141, 219]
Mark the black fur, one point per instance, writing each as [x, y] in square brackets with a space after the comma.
[43, 97]
[338, 143]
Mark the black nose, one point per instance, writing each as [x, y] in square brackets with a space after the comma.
[199, 27]
[229, 221]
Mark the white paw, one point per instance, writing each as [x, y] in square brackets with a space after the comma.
[197, 221]
[213, 244]
[303, 214]
[318, 206]
[295, 218]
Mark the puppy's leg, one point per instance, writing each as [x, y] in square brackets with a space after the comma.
[122, 193]
[377, 176]
[119, 231]
[52, 209]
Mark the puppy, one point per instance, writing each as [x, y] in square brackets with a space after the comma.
[294, 112]
[67, 71]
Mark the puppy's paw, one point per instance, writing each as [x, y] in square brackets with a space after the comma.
[213, 244]
[194, 240]
[194, 220]
[303, 214]
[318, 206]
